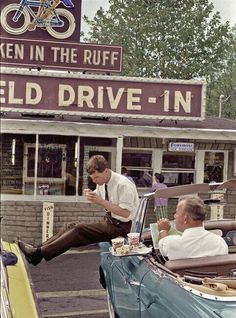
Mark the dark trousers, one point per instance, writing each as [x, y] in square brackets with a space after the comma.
[80, 234]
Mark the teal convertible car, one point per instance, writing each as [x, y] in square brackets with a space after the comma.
[142, 284]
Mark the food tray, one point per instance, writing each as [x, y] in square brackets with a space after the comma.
[139, 251]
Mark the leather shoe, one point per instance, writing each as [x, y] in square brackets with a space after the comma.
[32, 254]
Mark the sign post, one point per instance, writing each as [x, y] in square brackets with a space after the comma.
[47, 226]
[217, 210]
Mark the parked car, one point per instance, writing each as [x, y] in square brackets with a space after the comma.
[18, 298]
[147, 286]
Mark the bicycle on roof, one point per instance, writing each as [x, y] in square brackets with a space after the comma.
[17, 18]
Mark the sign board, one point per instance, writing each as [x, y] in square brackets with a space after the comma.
[110, 96]
[47, 226]
[60, 56]
[181, 146]
[46, 34]
[41, 20]
[217, 210]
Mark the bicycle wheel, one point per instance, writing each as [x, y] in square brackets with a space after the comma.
[68, 27]
[22, 19]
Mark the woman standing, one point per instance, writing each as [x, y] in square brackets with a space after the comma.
[160, 204]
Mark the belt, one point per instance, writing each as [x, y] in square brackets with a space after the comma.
[114, 221]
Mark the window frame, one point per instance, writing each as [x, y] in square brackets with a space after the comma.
[234, 163]
[140, 168]
[177, 170]
[200, 161]
[44, 179]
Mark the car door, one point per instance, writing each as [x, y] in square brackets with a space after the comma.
[161, 296]
[156, 297]
[126, 278]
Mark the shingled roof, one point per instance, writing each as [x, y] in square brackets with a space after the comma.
[207, 123]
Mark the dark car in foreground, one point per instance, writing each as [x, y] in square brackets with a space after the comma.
[146, 285]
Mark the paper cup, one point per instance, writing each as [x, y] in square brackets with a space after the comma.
[133, 239]
[117, 242]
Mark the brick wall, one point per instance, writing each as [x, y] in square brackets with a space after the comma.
[229, 208]
[23, 219]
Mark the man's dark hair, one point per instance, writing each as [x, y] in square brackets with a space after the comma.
[96, 163]
[123, 170]
[160, 177]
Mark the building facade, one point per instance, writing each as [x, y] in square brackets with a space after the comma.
[43, 158]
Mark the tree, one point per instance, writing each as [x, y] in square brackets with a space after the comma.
[162, 38]
[222, 86]
[169, 39]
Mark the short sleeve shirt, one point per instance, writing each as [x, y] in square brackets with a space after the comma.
[122, 192]
[195, 242]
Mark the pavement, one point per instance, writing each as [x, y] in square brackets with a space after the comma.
[68, 286]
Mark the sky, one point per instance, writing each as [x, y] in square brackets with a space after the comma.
[227, 9]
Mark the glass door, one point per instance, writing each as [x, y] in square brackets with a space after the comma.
[108, 152]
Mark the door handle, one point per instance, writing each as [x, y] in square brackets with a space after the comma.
[135, 283]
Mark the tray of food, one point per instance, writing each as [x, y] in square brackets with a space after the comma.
[127, 250]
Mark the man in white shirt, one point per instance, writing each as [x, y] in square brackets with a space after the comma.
[115, 193]
[195, 240]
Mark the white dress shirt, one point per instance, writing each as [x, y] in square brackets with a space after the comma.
[195, 242]
[122, 192]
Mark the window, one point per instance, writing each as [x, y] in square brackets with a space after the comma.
[50, 164]
[12, 159]
[213, 166]
[178, 168]
[180, 161]
[139, 166]
[51, 169]
[56, 165]
[234, 162]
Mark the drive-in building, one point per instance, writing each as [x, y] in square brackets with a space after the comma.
[53, 122]
[54, 116]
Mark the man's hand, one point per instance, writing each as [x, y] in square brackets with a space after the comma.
[86, 191]
[93, 197]
[163, 227]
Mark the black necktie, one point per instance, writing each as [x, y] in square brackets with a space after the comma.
[106, 193]
[108, 213]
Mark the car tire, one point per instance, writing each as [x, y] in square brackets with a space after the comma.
[112, 314]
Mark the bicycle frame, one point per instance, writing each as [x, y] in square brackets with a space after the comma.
[28, 4]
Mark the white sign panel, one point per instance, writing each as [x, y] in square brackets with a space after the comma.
[48, 214]
[217, 210]
[181, 146]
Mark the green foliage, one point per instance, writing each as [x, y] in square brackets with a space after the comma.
[224, 83]
[167, 39]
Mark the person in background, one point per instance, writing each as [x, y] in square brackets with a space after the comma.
[145, 180]
[70, 185]
[124, 172]
[195, 240]
[115, 193]
[160, 204]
